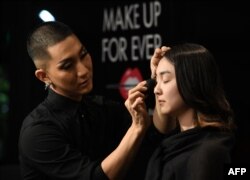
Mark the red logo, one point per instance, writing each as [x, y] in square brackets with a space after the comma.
[130, 78]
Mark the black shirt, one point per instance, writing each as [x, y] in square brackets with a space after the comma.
[64, 139]
[194, 154]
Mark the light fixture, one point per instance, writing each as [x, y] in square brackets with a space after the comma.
[46, 16]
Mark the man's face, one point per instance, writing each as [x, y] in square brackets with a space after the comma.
[70, 68]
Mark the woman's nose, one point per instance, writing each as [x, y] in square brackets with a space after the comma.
[157, 89]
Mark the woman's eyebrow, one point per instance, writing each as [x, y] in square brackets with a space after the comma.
[164, 72]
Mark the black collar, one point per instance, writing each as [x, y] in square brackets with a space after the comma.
[61, 103]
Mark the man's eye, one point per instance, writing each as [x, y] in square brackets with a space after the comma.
[66, 66]
[83, 53]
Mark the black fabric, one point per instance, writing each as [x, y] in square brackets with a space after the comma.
[64, 139]
[195, 154]
[138, 168]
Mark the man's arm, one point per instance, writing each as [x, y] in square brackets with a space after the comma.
[117, 163]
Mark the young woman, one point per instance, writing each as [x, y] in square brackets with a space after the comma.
[189, 91]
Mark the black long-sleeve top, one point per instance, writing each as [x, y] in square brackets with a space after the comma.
[194, 154]
[64, 139]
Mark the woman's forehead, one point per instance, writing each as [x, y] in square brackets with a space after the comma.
[164, 65]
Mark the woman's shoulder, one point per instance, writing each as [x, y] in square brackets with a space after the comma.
[215, 143]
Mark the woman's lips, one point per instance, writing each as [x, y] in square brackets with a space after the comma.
[161, 102]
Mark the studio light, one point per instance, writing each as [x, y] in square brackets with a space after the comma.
[46, 16]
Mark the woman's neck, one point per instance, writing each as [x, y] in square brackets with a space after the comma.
[187, 119]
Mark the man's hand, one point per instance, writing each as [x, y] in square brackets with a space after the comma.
[158, 54]
[136, 106]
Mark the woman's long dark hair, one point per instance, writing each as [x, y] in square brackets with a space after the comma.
[199, 83]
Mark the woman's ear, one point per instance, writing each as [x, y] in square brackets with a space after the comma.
[42, 76]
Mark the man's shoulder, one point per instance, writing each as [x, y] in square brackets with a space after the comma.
[37, 116]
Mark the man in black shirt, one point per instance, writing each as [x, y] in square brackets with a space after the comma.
[71, 135]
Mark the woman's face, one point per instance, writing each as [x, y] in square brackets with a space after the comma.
[166, 91]
[70, 68]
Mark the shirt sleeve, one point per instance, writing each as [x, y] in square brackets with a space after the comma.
[46, 148]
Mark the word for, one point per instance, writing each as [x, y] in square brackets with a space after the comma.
[140, 48]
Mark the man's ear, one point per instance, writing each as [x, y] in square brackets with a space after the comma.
[42, 76]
